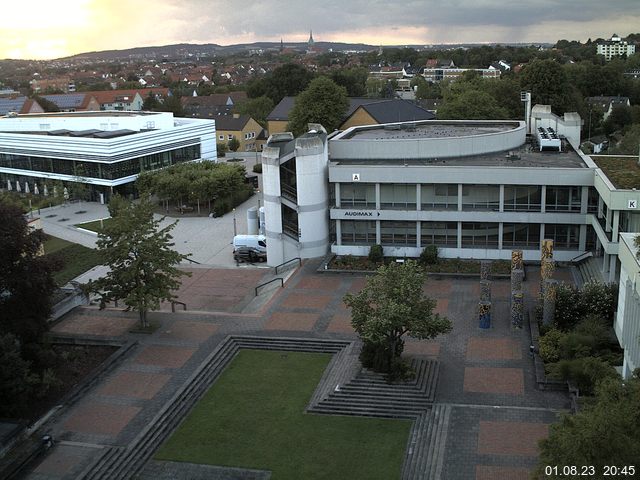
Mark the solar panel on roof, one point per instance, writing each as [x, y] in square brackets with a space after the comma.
[84, 133]
[114, 133]
[66, 101]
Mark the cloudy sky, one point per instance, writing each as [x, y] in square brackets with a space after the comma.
[50, 29]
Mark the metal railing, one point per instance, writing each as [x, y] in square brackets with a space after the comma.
[192, 261]
[173, 305]
[582, 256]
[298, 259]
[267, 283]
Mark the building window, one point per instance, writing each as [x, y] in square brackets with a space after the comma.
[442, 234]
[525, 235]
[230, 137]
[523, 198]
[592, 203]
[565, 237]
[290, 222]
[358, 232]
[221, 137]
[563, 199]
[439, 197]
[357, 195]
[479, 235]
[398, 196]
[398, 233]
[288, 180]
[481, 197]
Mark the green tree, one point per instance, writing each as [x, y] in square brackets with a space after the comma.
[287, 80]
[142, 264]
[323, 102]
[150, 103]
[26, 282]
[16, 379]
[234, 144]
[602, 433]
[353, 79]
[471, 104]
[630, 142]
[391, 305]
[549, 85]
[222, 149]
[257, 108]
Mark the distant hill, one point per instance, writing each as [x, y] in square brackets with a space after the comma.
[185, 50]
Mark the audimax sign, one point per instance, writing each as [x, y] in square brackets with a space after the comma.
[362, 213]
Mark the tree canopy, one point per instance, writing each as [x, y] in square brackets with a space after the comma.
[142, 263]
[602, 433]
[26, 281]
[322, 102]
[393, 304]
[287, 80]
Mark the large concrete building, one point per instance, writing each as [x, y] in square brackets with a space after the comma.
[105, 150]
[615, 47]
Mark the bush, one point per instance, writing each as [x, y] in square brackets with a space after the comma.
[222, 149]
[257, 168]
[376, 254]
[550, 346]
[375, 356]
[429, 255]
[573, 305]
[584, 373]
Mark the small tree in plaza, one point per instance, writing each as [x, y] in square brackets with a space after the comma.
[391, 305]
[143, 266]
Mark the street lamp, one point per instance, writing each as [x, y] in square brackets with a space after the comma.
[235, 231]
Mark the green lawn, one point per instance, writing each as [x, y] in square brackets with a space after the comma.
[253, 417]
[75, 259]
[95, 225]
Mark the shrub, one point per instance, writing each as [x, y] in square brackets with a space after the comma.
[376, 254]
[222, 149]
[550, 346]
[572, 305]
[429, 255]
[584, 373]
[257, 168]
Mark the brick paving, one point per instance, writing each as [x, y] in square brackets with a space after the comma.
[163, 356]
[134, 384]
[485, 375]
[511, 438]
[494, 380]
[101, 419]
[484, 472]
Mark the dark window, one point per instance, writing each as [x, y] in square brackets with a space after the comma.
[479, 235]
[442, 234]
[521, 235]
[398, 233]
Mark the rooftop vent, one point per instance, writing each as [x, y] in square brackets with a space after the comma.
[548, 139]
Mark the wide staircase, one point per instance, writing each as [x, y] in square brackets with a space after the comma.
[590, 270]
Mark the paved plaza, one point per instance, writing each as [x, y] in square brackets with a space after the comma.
[486, 376]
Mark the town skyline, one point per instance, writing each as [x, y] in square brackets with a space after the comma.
[48, 31]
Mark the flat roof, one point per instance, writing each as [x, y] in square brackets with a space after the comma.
[526, 155]
[624, 172]
[428, 129]
[101, 113]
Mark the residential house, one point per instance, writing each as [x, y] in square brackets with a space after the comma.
[212, 105]
[608, 103]
[19, 105]
[241, 127]
[615, 47]
[127, 100]
[74, 102]
[63, 84]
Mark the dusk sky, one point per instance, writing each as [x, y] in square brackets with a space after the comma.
[46, 29]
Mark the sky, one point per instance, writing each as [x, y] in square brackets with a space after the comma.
[45, 29]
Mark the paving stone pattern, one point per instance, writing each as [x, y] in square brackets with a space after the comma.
[486, 391]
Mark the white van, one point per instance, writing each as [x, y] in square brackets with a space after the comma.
[250, 246]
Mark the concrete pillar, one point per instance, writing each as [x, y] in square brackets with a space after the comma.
[459, 198]
[337, 193]
[485, 291]
[582, 239]
[613, 263]
[338, 232]
[543, 201]
[500, 234]
[418, 197]
[517, 309]
[378, 234]
[501, 198]
[584, 201]
[418, 231]
[484, 314]
[459, 234]
[605, 262]
[616, 225]
[485, 269]
[378, 197]
[517, 277]
[608, 221]
[600, 205]
[549, 302]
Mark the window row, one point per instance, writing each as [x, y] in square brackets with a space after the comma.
[107, 171]
[527, 198]
[445, 234]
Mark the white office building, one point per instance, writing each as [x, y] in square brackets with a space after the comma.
[615, 47]
[106, 150]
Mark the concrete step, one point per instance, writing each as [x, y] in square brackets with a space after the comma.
[341, 409]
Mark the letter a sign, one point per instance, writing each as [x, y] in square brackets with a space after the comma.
[356, 177]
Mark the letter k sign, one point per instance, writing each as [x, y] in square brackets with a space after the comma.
[632, 204]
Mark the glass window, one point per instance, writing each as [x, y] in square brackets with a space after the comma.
[479, 235]
[439, 197]
[398, 196]
[563, 199]
[398, 233]
[288, 180]
[565, 237]
[361, 195]
[358, 232]
[522, 198]
[442, 234]
[290, 222]
[592, 204]
[521, 235]
[481, 197]
[88, 169]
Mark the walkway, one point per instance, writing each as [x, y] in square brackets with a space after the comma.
[495, 415]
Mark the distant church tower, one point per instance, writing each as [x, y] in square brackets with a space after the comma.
[310, 42]
[281, 45]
